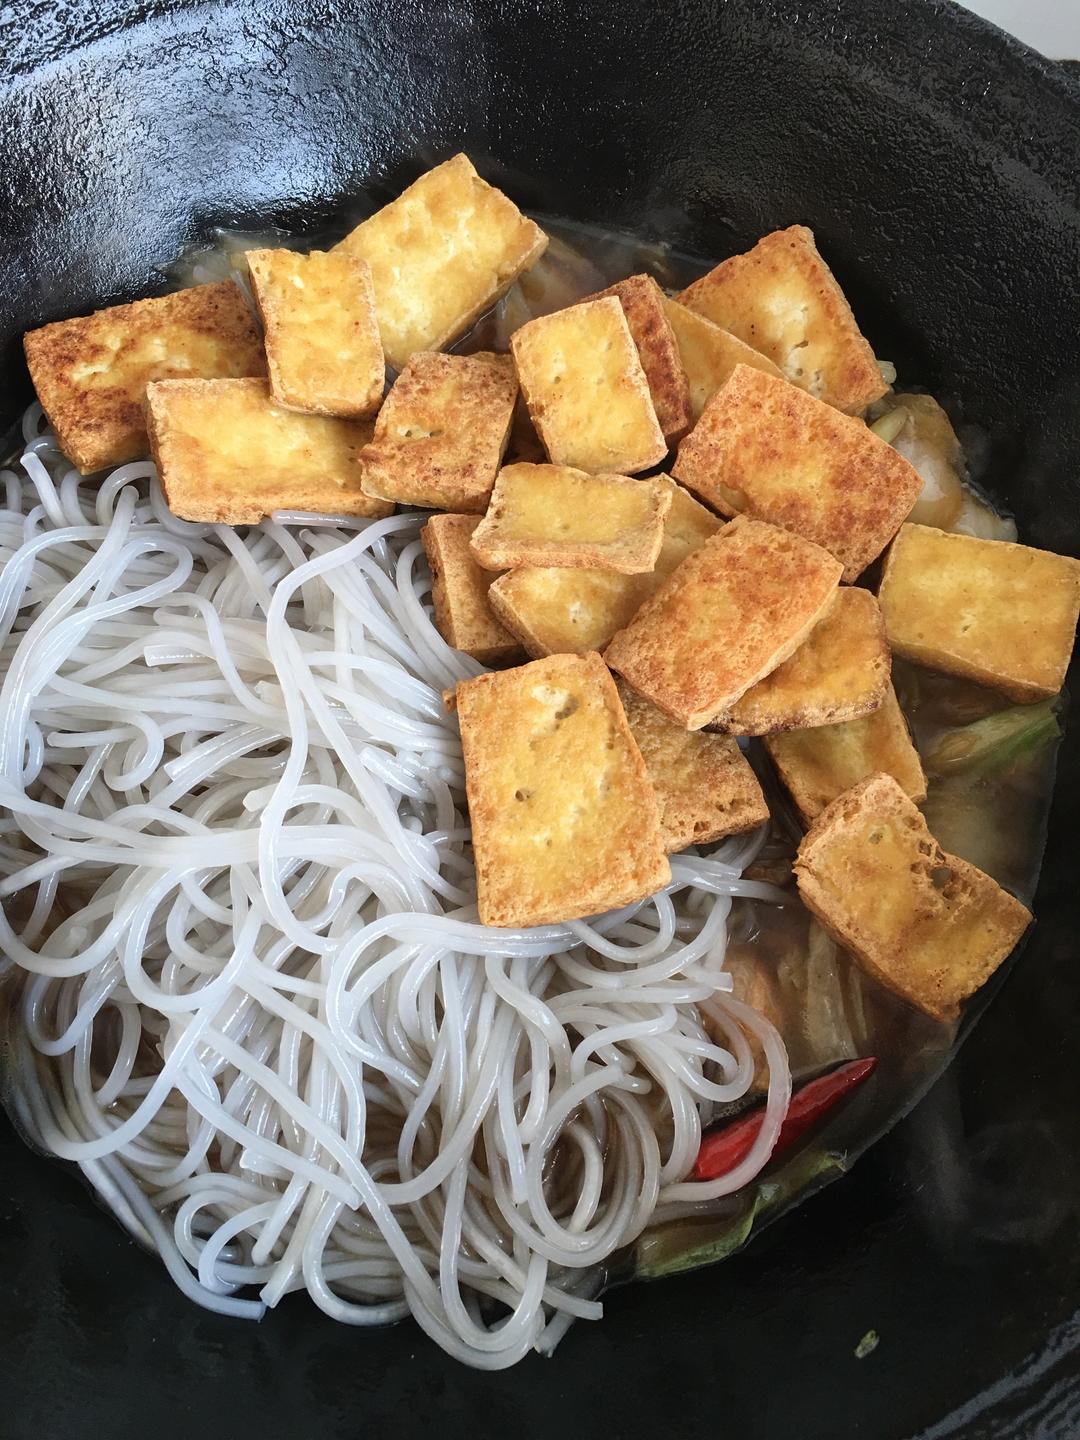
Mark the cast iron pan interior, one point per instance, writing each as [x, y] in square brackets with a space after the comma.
[938, 163]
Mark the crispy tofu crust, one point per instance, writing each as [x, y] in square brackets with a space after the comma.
[441, 254]
[781, 298]
[459, 592]
[1001, 614]
[564, 820]
[839, 672]
[704, 784]
[925, 924]
[820, 764]
[709, 354]
[732, 612]
[555, 516]
[587, 393]
[228, 452]
[440, 436]
[644, 306]
[322, 338]
[764, 448]
[91, 373]
[570, 611]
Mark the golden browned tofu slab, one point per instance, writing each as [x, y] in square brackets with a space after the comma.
[927, 925]
[228, 452]
[91, 373]
[566, 612]
[998, 613]
[587, 393]
[839, 672]
[732, 612]
[709, 354]
[643, 305]
[459, 592]
[553, 515]
[441, 433]
[704, 784]
[322, 338]
[564, 820]
[781, 298]
[688, 525]
[441, 254]
[820, 764]
[570, 611]
[764, 448]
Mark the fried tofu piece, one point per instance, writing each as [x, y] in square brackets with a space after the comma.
[564, 820]
[704, 784]
[688, 525]
[925, 924]
[992, 611]
[570, 611]
[732, 612]
[322, 338]
[441, 254]
[441, 433]
[644, 306]
[709, 354]
[587, 393]
[781, 298]
[553, 515]
[764, 448]
[566, 612]
[227, 452]
[459, 592]
[91, 373]
[839, 672]
[820, 764]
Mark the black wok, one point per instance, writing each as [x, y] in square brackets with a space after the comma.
[939, 164]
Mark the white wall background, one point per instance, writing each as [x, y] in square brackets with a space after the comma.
[1052, 26]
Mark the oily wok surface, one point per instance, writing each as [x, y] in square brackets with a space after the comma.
[940, 176]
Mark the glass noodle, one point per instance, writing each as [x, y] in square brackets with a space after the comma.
[247, 991]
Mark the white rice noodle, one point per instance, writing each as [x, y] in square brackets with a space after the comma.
[250, 996]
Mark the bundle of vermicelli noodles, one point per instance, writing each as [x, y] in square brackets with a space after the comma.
[249, 993]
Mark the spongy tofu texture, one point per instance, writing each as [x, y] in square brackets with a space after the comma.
[839, 672]
[732, 611]
[228, 452]
[766, 449]
[820, 764]
[564, 820]
[440, 255]
[710, 354]
[644, 306]
[557, 611]
[91, 373]
[998, 613]
[924, 923]
[781, 298]
[440, 435]
[322, 337]
[554, 515]
[459, 592]
[586, 390]
[705, 786]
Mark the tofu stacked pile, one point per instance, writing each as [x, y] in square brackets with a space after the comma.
[666, 611]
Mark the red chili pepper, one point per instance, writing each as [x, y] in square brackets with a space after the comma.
[724, 1149]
